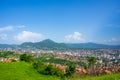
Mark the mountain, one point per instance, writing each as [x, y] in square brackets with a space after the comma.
[93, 46]
[45, 44]
[3, 46]
[51, 45]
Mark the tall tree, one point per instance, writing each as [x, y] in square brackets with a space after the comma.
[70, 70]
[91, 62]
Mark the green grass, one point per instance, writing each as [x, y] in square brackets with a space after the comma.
[25, 71]
[103, 77]
[21, 71]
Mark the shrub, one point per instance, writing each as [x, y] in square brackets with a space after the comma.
[49, 69]
[70, 70]
[26, 58]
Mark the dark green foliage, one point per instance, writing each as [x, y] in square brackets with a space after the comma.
[26, 58]
[70, 70]
[39, 66]
[82, 64]
[59, 72]
[48, 58]
[49, 69]
[0, 54]
[30, 58]
[14, 60]
[8, 54]
[23, 57]
[91, 61]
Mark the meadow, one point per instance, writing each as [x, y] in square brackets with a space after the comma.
[25, 71]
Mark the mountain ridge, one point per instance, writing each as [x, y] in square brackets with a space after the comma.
[50, 44]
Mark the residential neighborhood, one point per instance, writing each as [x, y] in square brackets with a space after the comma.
[108, 60]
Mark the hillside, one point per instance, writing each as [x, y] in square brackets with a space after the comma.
[21, 71]
[7, 46]
[45, 44]
[51, 45]
[93, 46]
[25, 71]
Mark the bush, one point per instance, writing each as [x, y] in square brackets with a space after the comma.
[26, 58]
[49, 69]
[70, 70]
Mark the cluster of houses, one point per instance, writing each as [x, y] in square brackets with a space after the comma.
[2, 59]
[112, 56]
[61, 67]
[97, 71]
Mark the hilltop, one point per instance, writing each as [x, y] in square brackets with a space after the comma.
[45, 44]
[52, 45]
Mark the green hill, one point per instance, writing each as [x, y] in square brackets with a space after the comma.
[45, 44]
[25, 71]
[21, 71]
[48, 44]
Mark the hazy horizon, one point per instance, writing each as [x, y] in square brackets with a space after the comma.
[63, 21]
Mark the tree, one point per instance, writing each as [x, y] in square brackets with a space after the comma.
[26, 58]
[29, 58]
[70, 70]
[91, 62]
[0, 54]
[23, 57]
[48, 69]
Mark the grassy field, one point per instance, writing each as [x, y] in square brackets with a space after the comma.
[21, 71]
[104, 77]
[25, 71]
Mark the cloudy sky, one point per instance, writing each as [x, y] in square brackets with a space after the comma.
[69, 21]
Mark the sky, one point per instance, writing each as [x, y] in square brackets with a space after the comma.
[68, 21]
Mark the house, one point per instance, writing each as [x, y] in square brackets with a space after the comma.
[61, 67]
[5, 59]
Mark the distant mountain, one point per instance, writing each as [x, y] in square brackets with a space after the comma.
[3, 46]
[45, 44]
[51, 45]
[93, 46]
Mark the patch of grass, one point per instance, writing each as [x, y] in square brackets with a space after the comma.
[103, 77]
[21, 71]
[25, 71]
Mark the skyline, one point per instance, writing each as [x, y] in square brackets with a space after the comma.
[68, 21]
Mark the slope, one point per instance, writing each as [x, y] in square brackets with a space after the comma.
[21, 71]
[45, 44]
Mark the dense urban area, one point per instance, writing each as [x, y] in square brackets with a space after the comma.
[87, 61]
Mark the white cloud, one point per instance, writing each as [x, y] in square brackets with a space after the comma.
[21, 26]
[28, 36]
[8, 28]
[3, 36]
[75, 37]
[112, 41]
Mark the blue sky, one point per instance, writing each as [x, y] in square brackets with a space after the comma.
[69, 21]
